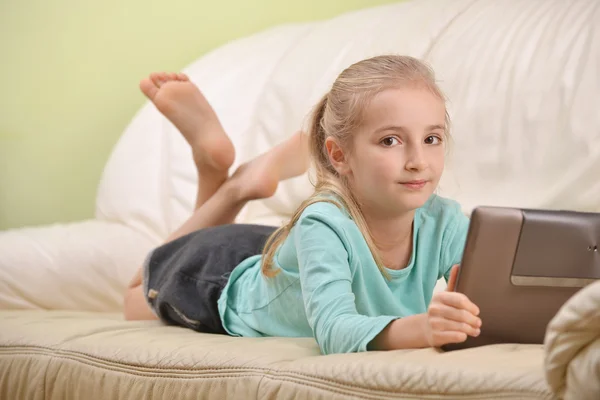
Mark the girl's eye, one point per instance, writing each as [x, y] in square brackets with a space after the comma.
[432, 140]
[389, 141]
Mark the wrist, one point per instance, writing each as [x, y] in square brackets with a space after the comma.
[403, 333]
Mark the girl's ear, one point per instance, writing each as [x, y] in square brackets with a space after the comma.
[337, 157]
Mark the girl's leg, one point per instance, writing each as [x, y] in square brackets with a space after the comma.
[219, 201]
[180, 101]
[256, 179]
[183, 104]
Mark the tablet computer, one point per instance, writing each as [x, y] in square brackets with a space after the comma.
[520, 266]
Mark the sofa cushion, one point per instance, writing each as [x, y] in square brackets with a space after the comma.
[77, 266]
[61, 355]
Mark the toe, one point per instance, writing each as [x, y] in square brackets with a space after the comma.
[149, 88]
[163, 77]
[156, 79]
[172, 76]
[182, 77]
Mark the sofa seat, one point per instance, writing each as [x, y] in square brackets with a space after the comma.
[66, 354]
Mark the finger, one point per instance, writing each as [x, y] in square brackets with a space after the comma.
[452, 278]
[447, 325]
[454, 314]
[458, 300]
[442, 338]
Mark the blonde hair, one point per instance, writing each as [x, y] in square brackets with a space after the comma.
[338, 115]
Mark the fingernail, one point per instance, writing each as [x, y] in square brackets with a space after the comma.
[477, 332]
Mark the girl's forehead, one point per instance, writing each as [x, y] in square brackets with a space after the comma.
[404, 106]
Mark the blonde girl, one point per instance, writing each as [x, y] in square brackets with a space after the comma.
[356, 266]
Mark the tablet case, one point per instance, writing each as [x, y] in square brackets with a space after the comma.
[520, 266]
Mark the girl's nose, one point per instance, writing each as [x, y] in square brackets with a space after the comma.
[416, 159]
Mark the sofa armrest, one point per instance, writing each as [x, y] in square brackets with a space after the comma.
[572, 346]
[78, 266]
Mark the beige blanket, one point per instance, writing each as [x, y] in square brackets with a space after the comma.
[572, 347]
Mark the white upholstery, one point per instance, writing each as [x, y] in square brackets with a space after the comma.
[79, 266]
[573, 346]
[524, 87]
[69, 355]
[521, 84]
[522, 79]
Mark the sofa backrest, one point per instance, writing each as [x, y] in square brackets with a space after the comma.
[522, 79]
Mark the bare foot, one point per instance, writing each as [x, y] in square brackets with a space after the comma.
[259, 178]
[183, 104]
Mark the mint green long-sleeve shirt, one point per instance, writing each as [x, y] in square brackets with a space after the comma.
[329, 286]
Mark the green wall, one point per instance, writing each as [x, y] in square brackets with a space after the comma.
[70, 70]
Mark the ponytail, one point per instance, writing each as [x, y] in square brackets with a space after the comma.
[316, 137]
[317, 134]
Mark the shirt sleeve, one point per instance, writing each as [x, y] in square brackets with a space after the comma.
[455, 244]
[326, 280]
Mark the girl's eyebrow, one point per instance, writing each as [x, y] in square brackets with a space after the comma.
[403, 129]
[438, 126]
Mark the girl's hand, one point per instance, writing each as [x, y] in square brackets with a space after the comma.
[451, 316]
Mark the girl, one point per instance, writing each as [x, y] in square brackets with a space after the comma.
[357, 264]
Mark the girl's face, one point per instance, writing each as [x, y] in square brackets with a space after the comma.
[397, 155]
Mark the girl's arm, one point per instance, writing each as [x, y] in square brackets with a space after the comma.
[451, 318]
[402, 333]
[327, 293]
[329, 301]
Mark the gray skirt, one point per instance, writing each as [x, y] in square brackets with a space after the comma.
[184, 279]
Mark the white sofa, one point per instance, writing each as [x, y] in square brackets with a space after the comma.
[524, 86]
